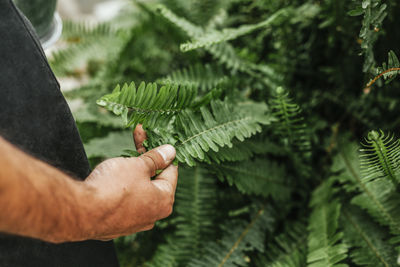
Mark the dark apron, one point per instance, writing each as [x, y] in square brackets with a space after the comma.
[35, 117]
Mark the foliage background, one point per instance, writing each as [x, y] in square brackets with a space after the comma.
[295, 188]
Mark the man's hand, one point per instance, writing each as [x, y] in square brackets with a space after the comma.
[129, 201]
[118, 198]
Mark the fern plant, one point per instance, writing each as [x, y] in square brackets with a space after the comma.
[215, 37]
[378, 197]
[290, 123]
[197, 199]
[374, 12]
[192, 135]
[238, 237]
[269, 176]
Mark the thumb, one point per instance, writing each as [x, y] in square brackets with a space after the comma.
[167, 180]
[158, 158]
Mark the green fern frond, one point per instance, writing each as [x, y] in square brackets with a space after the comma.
[368, 240]
[165, 255]
[223, 52]
[110, 145]
[215, 37]
[374, 12]
[195, 207]
[189, 28]
[288, 249]
[325, 248]
[216, 128]
[378, 197]
[226, 55]
[86, 42]
[78, 32]
[382, 202]
[241, 151]
[259, 177]
[380, 157]
[346, 167]
[388, 71]
[205, 77]
[73, 59]
[148, 104]
[192, 135]
[290, 124]
[195, 212]
[239, 237]
[197, 11]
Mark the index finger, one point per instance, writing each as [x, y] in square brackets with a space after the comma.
[139, 136]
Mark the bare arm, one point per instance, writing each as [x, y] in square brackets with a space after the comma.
[118, 198]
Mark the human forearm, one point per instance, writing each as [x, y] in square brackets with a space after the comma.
[39, 201]
[118, 197]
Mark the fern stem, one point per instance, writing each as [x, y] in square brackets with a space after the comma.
[365, 238]
[379, 76]
[146, 111]
[242, 235]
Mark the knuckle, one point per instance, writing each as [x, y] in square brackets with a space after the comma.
[146, 165]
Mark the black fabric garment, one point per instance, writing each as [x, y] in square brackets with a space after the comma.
[35, 117]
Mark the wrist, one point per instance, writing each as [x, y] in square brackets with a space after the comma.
[90, 205]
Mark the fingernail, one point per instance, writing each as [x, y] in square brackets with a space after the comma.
[167, 152]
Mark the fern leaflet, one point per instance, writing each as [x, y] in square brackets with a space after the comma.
[148, 104]
[216, 128]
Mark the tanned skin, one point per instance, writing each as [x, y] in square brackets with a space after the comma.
[118, 198]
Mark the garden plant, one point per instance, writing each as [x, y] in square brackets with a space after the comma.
[284, 115]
